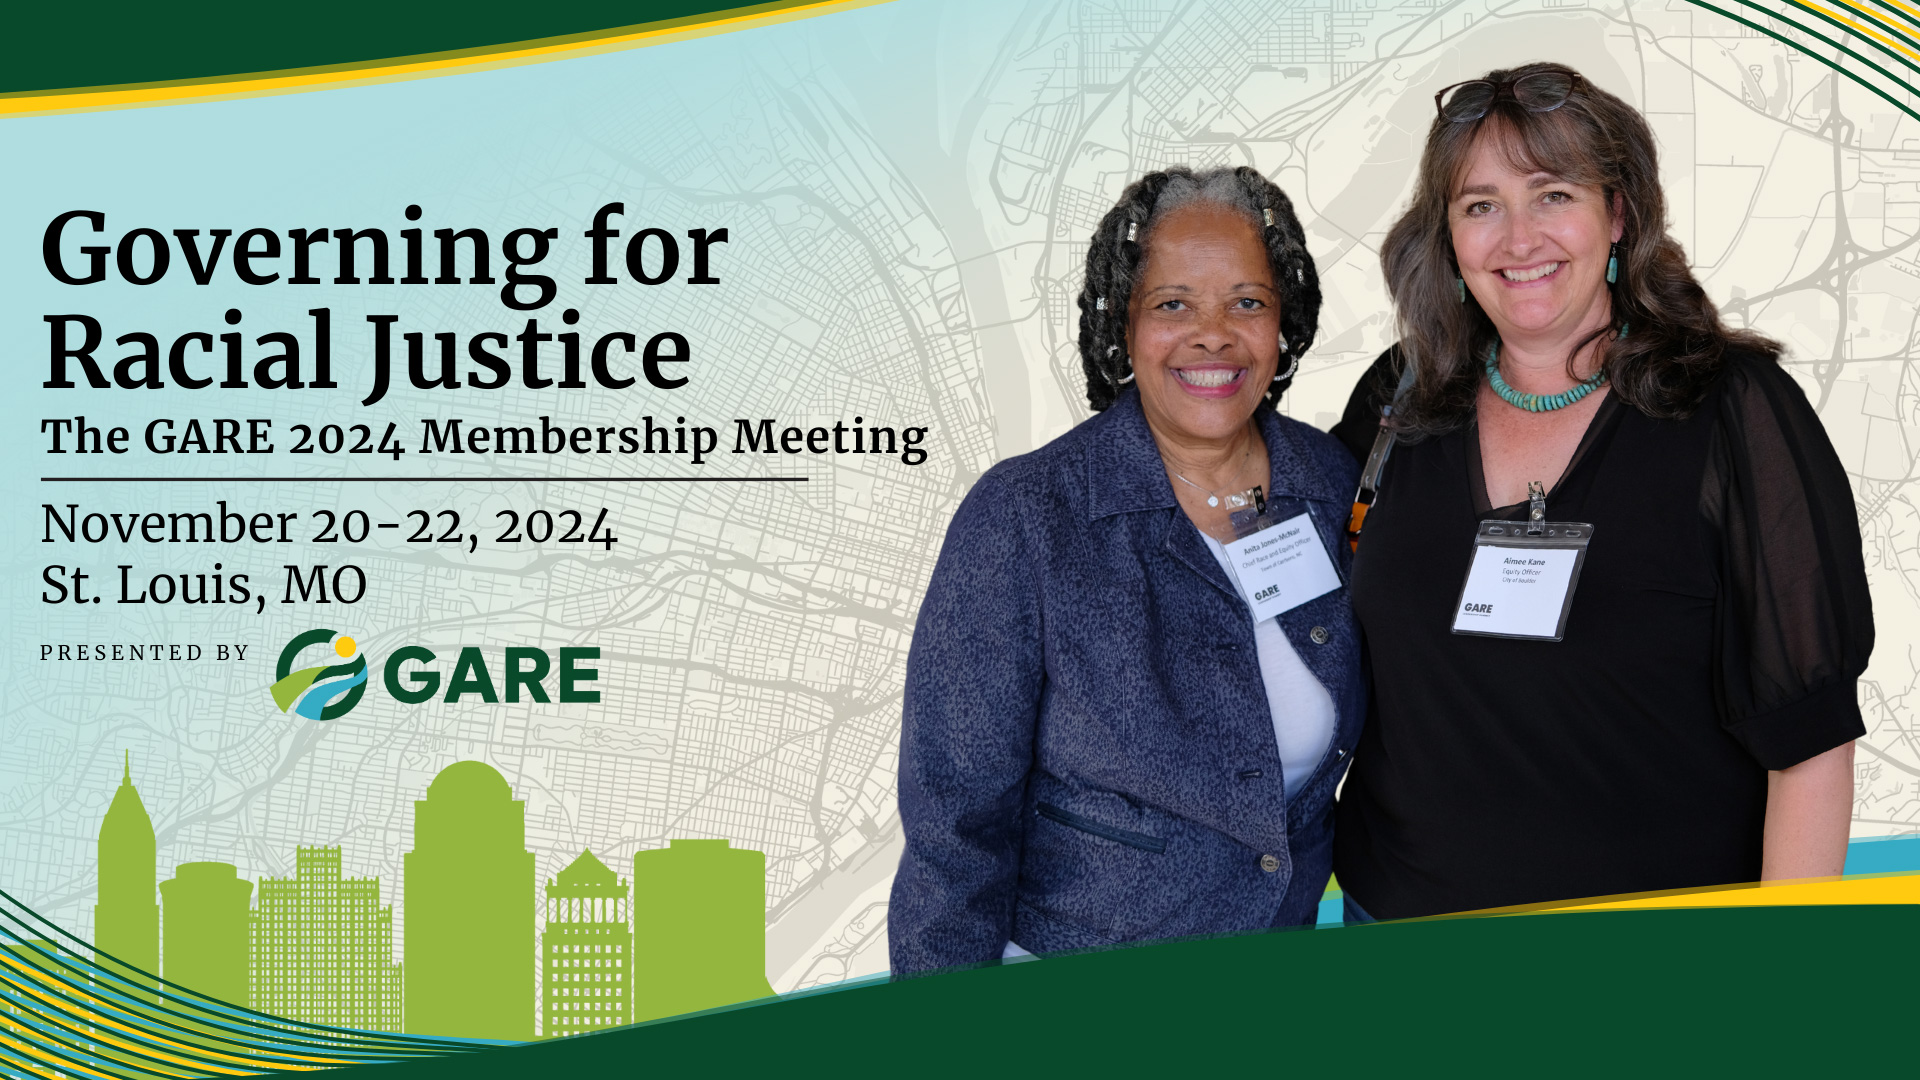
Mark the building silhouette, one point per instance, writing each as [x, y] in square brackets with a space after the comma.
[688, 933]
[700, 928]
[322, 948]
[586, 953]
[204, 929]
[126, 919]
[470, 891]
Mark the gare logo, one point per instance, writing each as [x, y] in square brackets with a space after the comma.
[324, 691]
[521, 671]
[329, 691]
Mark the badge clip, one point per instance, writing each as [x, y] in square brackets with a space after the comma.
[1536, 509]
[1250, 506]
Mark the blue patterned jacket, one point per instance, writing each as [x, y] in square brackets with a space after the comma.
[1087, 755]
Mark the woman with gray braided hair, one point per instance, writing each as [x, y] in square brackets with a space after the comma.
[1135, 681]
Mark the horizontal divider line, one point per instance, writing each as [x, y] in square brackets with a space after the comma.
[424, 479]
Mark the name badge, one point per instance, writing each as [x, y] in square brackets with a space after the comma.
[1521, 585]
[1283, 566]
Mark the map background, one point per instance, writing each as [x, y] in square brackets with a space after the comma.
[909, 189]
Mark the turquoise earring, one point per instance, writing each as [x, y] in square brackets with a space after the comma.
[1460, 285]
[1613, 264]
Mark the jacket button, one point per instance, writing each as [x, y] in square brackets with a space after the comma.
[1269, 863]
[1319, 635]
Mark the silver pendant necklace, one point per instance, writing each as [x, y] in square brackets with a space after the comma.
[1213, 497]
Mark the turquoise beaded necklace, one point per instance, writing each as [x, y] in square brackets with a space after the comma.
[1538, 403]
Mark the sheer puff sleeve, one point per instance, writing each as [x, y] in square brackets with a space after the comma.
[1794, 622]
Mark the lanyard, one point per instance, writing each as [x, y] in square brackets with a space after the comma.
[1368, 491]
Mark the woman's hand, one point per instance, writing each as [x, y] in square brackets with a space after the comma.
[1809, 806]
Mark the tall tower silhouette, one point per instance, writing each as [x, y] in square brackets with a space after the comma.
[470, 893]
[699, 928]
[126, 920]
[205, 929]
[322, 948]
[586, 954]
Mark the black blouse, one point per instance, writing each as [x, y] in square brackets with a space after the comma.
[1719, 626]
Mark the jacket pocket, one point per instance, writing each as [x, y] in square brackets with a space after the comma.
[1088, 825]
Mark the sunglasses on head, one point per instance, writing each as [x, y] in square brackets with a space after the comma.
[1542, 91]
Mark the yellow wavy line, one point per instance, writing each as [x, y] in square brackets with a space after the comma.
[1879, 18]
[1908, 8]
[1809, 892]
[113, 1042]
[81, 1011]
[1898, 45]
[1901, 888]
[58, 1066]
[38, 103]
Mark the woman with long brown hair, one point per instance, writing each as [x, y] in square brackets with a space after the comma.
[1611, 582]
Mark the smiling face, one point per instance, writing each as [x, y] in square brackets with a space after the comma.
[1203, 324]
[1532, 247]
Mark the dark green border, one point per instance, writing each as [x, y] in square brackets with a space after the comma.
[1624, 993]
[1807, 991]
[62, 46]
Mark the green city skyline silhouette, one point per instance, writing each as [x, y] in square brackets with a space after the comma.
[205, 908]
[126, 920]
[484, 955]
[470, 961]
[586, 953]
[321, 948]
[701, 897]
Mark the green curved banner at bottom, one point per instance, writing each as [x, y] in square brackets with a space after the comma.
[1708, 992]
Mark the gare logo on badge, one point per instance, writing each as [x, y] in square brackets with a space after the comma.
[1266, 592]
[1477, 609]
[311, 691]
